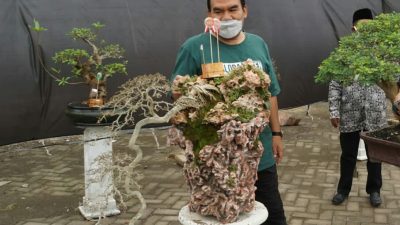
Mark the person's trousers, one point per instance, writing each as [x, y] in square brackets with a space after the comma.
[267, 193]
[349, 144]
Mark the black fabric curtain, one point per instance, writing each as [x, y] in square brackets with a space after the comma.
[300, 34]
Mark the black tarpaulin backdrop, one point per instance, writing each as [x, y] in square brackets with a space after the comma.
[300, 34]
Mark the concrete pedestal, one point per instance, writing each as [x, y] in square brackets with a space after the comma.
[362, 153]
[98, 200]
[255, 217]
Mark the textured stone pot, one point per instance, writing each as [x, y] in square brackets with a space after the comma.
[382, 147]
[221, 176]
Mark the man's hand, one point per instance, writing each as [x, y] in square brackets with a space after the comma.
[335, 122]
[277, 148]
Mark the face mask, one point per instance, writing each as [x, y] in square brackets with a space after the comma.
[230, 28]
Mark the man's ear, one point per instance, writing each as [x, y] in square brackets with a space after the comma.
[245, 11]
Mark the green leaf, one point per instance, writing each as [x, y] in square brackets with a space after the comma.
[63, 81]
[55, 70]
[36, 26]
[98, 25]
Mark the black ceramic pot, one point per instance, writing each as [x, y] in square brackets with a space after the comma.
[83, 115]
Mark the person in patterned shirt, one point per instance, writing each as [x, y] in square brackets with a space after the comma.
[353, 109]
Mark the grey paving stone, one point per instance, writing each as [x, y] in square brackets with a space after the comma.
[308, 177]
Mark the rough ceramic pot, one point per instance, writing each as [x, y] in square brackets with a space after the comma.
[221, 177]
[382, 150]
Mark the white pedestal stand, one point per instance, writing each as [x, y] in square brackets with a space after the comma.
[362, 154]
[98, 200]
[255, 217]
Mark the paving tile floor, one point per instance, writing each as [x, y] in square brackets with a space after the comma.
[45, 185]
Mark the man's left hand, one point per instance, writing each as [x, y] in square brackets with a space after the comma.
[277, 148]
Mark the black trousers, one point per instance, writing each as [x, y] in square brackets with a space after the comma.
[267, 193]
[349, 143]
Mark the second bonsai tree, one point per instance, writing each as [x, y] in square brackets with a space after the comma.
[92, 65]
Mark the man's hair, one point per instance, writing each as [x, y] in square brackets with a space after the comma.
[242, 2]
[362, 14]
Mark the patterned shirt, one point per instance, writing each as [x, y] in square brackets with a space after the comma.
[359, 107]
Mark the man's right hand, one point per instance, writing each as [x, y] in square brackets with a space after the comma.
[335, 122]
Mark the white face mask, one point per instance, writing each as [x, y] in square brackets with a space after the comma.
[230, 28]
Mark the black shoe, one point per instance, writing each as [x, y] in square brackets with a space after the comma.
[339, 198]
[375, 199]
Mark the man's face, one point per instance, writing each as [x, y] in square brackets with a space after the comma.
[227, 10]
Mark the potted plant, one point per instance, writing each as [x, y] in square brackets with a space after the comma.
[220, 140]
[91, 65]
[370, 56]
[217, 122]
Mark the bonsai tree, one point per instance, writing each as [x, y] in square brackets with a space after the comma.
[145, 95]
[369, 56]
[92, 65]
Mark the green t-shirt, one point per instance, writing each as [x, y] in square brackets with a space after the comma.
[190, 58]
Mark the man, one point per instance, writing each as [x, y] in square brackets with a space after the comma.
[235, 47]
[353, 109]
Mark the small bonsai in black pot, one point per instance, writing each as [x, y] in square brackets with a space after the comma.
[92, 65]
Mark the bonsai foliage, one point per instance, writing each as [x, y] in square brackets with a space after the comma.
[93, 64]
[371, 55]
[220, 140]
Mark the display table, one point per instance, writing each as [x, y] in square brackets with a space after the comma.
[255, 217]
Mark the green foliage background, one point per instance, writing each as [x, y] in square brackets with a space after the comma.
[371, 55]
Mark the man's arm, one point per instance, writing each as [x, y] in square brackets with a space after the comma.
[277, 146]
[334, 98]
[185, 64]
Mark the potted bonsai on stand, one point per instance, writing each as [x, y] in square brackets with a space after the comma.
[92, 66]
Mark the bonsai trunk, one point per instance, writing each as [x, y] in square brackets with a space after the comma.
[100, 87]
[97, 95]
[391, 89]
